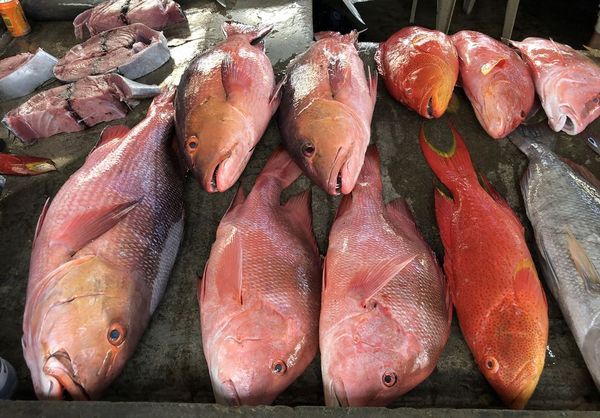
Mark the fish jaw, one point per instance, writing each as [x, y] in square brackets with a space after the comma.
[499, 117]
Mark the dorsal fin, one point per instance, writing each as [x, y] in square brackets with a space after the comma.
[487, 186]
[299, 211]
[110, 133]
[41, 219]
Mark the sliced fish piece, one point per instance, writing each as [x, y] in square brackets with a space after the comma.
[23, 73]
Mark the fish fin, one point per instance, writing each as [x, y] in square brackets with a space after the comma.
[400, 213]
[109, 133]
[89, 225]
[40, 221]
[235, 78]
[350, 38]
[299, 208]
[281, 166]
[378, 59]
[202, 284]
[490, 65]
[324, 277]
[583, 172]
[344, 206]
[368, 283]
[527, 285]
[444, 213]
[275, 98]
[238, 199]
[255, 34]
[372, 82]
[583, 264]
[229, 279]
[453, 167]
[452, 296]
[370, 173]
[525, 136]
[353, 10]
[487, 186]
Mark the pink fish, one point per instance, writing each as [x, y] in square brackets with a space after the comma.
[567, 82]
[496, 81]
[386, 311]
[259, 297]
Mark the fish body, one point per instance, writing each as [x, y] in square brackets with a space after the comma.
[326, 111]
[131, 51]
[259, 297]
[420, 68]
[385, 309]
[23, 73]
[101, 258]
[567, 82]
[499, 301]
[496, 81]
[24, 165]
[562, 201]
[224, 103]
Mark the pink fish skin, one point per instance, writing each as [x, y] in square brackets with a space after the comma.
[567, 82]
[386, 311]
[259, 297]
[496, 81]
[102, 255]
[326, 111]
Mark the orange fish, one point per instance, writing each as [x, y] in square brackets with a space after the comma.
[420, 68]
[500, 303]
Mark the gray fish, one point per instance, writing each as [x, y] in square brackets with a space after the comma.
[23, 73]
[562, 200]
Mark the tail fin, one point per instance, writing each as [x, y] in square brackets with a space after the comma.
[524, 137]
[454, 167]
[255, 34]
[350, 38]
[282, 167]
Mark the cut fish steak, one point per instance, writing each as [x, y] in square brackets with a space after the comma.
[23, 73]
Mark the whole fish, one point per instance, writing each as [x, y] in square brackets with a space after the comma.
[23, 73]
[326, 111]
[420, 68]
[496, 81]
[562, 201]
[567, 82]
[102, 255]
[24, 165]
[224, 103]
[500, 304]
[259, 297]
[386, 310]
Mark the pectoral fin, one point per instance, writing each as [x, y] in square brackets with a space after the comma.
[583, 264]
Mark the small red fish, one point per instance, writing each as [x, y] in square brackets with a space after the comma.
[500, 304]
[24, 165]
[420, 68]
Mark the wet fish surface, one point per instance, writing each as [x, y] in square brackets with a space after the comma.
[110, 14]
[259, 296]
[102, 254]
[386, 310]
[567, 82]
[23, 73]
[420, 68]
[225, 100]
[131, 51]
[496, 81]
[500, 304]
[326, 110]
[562, 200]
[76, 106]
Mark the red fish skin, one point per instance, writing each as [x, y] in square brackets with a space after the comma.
[500, 304]
[24, 165]
[567, 82]
[260, 294]
[326, 110]
[225, 100]
[420, 68]
[401, 329]
[496, 81]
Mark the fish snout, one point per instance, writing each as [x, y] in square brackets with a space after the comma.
[213, 168]
[525, 384]
[62, 379]
[335, 394]
[226, 393]
[341, 177]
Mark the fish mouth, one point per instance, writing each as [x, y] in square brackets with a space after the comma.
[214, 179]
[335, 181]
[226, 394]
[63, 382]
[336, 394]
[526, 388]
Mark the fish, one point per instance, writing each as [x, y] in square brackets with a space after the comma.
[51, 10]
[76, 106]
[326, 111]
[419, 67]
[23, 73]
[131, 51]
[500, 304]
[24, 165]
[385, 310]
[260, 292]
[110, 14]
[562, 201]
[352, 8]
[225, 100]
[101, 258]
[496, 81]
[567, 82]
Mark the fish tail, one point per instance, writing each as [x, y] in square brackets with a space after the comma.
[525, 138]
[255, 34]
[453, 167]
[370, 174]
[282, 167]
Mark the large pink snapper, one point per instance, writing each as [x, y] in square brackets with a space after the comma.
[386, 311]
[259, 298]
[567, 82]
[102, 255]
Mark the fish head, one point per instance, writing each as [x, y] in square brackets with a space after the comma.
[373, 360]
[330, 145]
[217, 144]
[86, 327]
[258, 356]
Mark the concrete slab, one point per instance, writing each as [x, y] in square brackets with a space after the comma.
[169, 365]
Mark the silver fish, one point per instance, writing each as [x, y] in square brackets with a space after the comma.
[562, 201]
[32, 73]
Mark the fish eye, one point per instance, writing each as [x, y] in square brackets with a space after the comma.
[308, 149]
[523, 114]
[116, 334]
[192, 142]
[279, 367]
[389, 378]
[491, 364]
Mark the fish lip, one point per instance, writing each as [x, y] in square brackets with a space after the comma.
[335, 181]
[338, 393]
[229, 396]
[212, 181]
[58, 367]
[520, 400]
